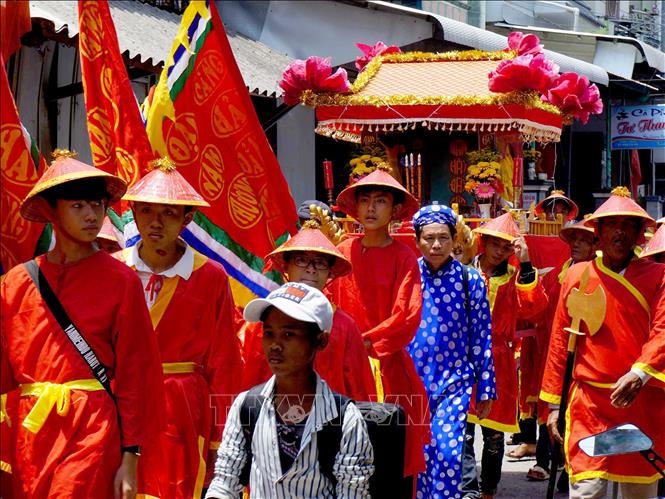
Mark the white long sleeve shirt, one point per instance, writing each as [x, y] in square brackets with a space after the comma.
[353, 464]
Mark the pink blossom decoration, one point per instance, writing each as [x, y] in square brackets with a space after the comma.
[314, 74]
[370, 52]
[524, 44]
[484, 190]
[575, 97]
[524, 72]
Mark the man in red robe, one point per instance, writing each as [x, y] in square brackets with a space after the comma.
[72, 437]
[582, 243]
[383, 295]
[619, 370]
[310, 258]
[513, 294]
[191, 309]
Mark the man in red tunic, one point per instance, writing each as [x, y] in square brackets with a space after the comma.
[73, 439]
[619, 371]
[582, 243]
[383, 295]
[191, 309]
[513, 294]
[310, 258]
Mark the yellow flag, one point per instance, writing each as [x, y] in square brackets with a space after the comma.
[506, 171]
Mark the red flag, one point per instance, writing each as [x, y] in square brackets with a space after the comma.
[635, 172]
[20, 167]
[202, 117]
[14, 21]
[117, 136]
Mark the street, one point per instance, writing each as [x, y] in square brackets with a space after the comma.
[513, 477]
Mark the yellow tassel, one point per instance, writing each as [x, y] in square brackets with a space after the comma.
[621, 191]
[165, 164]
[63, 153]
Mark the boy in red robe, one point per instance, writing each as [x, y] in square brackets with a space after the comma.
[191, 309]
[73, 438]
[513, 294]
[383, 295]
[619, 371]
[310, 258]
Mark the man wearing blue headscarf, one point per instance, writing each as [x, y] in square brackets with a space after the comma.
[452, 349]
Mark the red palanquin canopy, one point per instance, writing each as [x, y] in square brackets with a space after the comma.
[439, 91]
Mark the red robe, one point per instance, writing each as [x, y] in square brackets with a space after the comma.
[631, 335]
[78, 453]
[509, 301]
[383, 295]
[534, 348]
[193, 320]
[343, 364]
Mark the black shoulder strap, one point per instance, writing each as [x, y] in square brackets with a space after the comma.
[467, 305]
[249, 415]
[329, 438]
[71, 331]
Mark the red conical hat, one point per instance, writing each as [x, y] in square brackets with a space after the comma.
[566, 231]
[620, 204]
[164, 185]
[381, 179]
[656, 245]
[553, 198]
[108, 231]
[65, 168]
[310, 239]
[503, 227]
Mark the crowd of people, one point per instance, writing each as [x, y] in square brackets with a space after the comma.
[130, 371]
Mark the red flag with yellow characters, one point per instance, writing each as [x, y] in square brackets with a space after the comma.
[118, 139]
[20, 167]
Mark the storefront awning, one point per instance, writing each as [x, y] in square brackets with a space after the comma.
[447, 91]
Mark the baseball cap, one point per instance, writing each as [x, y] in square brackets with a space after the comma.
[297, 300]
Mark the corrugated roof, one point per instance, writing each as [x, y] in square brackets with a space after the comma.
[146, 33]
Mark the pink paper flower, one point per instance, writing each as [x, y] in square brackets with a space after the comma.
[484, 190]
[524, 72]
[370, 52]
[524, 44]
[313, 74]
[575, 97]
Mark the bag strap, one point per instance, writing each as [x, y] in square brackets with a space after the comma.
[249, 415]
[329, 438]
[71, 331]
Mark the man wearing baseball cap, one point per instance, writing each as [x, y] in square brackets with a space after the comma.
[73, 320]
[619, 370]
[295, 404]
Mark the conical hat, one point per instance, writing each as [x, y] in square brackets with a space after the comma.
[164, 185]
[620, 204]
[346, 201]
[65, 168]
[656, 245]
[310, 239]
[503, 227]
[566, 231]
[108, 231]
[557, 196]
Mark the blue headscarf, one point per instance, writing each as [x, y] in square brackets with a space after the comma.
[434, 214]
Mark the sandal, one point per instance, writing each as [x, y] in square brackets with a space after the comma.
[537, 474]
[522, 450]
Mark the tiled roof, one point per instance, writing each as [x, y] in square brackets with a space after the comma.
[146, 33]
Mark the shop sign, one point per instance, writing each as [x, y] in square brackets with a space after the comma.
[638, 127]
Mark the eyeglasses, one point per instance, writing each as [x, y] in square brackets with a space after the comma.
[304, 262]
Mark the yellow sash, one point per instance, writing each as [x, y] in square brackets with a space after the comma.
[179, 367]
[48, 395]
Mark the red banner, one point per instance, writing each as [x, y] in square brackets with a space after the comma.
[14, 21]
[203, 118]
[20, 167]
[118, 140]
